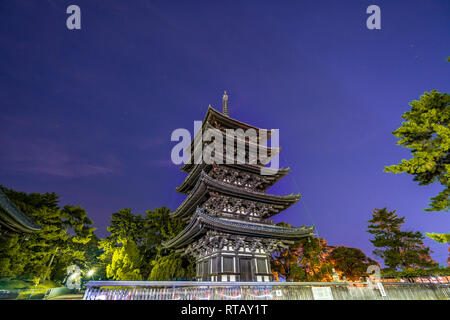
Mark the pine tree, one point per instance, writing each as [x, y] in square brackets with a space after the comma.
[49, 251]
[164, 264]
[426, 133]
[126, 230]
[12, 257]
[125, 261]
[398, 249]
[126, 225]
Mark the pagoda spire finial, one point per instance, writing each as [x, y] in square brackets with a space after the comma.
[225, 104]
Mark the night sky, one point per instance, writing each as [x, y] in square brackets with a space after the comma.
[88, 114]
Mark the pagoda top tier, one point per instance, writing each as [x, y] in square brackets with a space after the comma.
[222, 121]
[217, 120]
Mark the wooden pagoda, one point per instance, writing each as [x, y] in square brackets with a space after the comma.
[227, 210]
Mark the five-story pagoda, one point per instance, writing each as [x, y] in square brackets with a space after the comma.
[227, 209]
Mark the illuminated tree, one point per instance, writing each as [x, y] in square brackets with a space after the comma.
[350, 262]
[48, 252]
[426, 133]
[125, 262]
[173, 266]
[147, 233]
[306, 260]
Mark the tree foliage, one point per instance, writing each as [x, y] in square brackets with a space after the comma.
[426, 133]
[439, 237]
[149, 259]
[313, 260]
[350, 262]
[172, 266]
[48, 252]
[305, 260]
[399, 249]
[125, 261]
[126, 225]
[92, 261]
[411, 273]
[166, 264]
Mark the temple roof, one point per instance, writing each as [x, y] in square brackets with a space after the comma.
[216, 119]
[14, 219]
[196, 169]
[201, 222]
[270, 152]
[206, 184]
[214, 116]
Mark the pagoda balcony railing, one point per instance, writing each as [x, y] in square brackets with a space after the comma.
[196, 290]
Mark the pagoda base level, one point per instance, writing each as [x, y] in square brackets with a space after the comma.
[236, 278]
[229, 265]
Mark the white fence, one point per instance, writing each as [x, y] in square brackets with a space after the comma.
[191, 290]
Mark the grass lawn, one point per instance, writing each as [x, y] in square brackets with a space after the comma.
[10, 283]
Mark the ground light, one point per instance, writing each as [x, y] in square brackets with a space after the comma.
[90, 273]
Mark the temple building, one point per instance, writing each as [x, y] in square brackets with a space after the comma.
[12, 220]
[227, 210]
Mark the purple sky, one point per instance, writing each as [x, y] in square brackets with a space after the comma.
[88, 114]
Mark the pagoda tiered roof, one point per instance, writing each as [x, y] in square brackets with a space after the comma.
[14, 219]
[201, 222]
[269, 152]
[217, 120]
[205, 184]
[196, 169]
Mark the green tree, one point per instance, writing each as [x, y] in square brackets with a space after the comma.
[398, 249]
[45, 253]
[160, 226]
[173, 266]
[92, 261]
[106, 248]
[151, 259]
[426, 133]
[165, 264]
[125, 262]
[79, 231]
[441, 238]
[12, 257]
[128, 227]
[350, 262]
